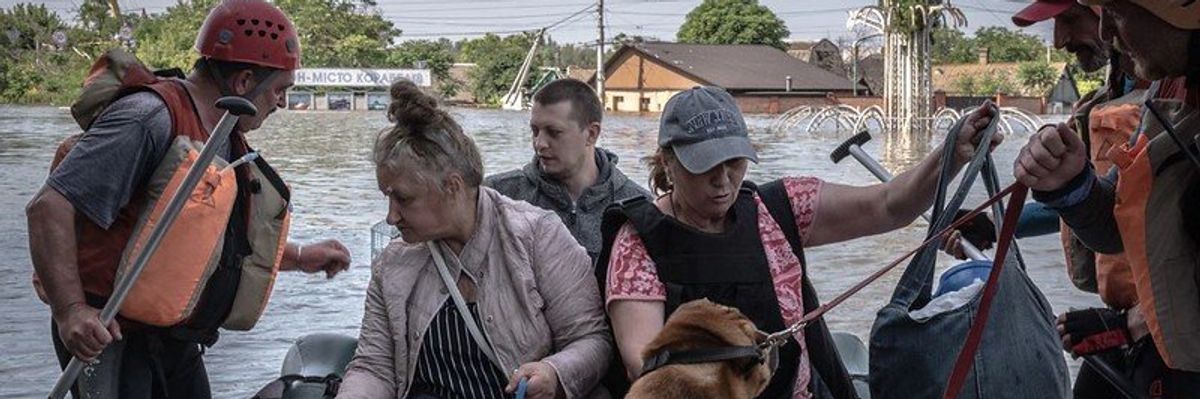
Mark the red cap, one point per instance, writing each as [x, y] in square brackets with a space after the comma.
[250, 31]
[1041, 10]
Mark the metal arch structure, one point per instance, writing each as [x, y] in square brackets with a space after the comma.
[908, 85]
[907, 110]
[789, 119]
[1010, 119]
[841, 115]
[873, 112]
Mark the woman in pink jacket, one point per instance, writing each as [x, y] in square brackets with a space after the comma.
[527, 306]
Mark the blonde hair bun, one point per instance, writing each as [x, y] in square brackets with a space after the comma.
[410, 106]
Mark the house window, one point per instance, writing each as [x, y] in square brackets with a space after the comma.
[617, 100]
[644, 104]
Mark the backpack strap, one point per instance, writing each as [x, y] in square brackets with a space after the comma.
[827, 366]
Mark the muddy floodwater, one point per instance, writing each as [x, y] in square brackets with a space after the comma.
[325, 158]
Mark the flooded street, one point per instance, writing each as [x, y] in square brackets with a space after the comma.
[325, 157]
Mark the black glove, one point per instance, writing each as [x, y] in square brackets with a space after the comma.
[1096, 330]
[979, 231]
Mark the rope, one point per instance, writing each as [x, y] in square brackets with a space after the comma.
[779, 338]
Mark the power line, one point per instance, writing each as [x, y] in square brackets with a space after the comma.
[777, 13]
[466, 24]
[577, 13]
[476, 8]
[477, 17]
[475, 33]
[990, 11]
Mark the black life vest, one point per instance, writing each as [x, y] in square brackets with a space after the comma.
[730, 269]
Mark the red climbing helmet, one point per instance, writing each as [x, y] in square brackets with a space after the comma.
[250, 31]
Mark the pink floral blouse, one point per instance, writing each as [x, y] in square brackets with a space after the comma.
[632, 276]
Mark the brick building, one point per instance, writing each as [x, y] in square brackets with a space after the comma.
[641, 77]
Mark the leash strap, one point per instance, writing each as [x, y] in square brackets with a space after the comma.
[485, 346]
[522, 387]
[709, 355]
[963, 365]
[779, 338]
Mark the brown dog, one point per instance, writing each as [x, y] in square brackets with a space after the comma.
[703, 324]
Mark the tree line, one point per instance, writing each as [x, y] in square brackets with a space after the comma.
[45, 58]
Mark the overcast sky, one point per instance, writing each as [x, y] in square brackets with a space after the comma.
[421, 19]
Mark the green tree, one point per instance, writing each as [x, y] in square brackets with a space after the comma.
[966, 85]
[733, 22]
[570, 55]
[438, 56]
[951, 46]
[167, 40]
[623, 38]
[1036, 78]
[97, 30]
[37, 67]
[34, 68]
[1009, 45]
[497, 62]
[992, 84]
[985, 85]
[97, 17]
[28, 27]
[333, 32]
[1085, 82]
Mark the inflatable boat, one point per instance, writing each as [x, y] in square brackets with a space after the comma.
[314, 366]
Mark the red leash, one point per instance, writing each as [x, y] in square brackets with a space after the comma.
[1018, 192]
[963, 365]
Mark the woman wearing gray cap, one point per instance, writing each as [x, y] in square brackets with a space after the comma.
[711, 235]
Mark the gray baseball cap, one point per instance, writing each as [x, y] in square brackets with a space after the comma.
[705, 128]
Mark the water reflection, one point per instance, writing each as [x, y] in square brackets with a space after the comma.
[901, 152]
[325, 157]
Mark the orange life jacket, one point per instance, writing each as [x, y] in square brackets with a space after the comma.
[1156, 194]
[174, 286]
[1110, 125]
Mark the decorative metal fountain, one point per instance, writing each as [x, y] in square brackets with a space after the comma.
[907, 113]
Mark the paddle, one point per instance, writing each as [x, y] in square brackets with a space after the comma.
[234, 107]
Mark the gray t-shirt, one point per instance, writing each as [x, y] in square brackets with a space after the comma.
[115, 157]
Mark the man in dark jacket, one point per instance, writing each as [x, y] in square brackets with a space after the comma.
[1160, 355]
[569, 174]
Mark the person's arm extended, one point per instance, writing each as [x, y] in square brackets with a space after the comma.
[328, 256]
[52, 247]
[1054, 165]
[1086, 204]
[635, 324]
[573, 308]
[848, 212]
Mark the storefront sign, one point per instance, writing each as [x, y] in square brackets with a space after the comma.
[360, 77]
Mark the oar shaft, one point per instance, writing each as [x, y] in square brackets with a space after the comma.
[1112, 376]
[215, 141]
[883, 175]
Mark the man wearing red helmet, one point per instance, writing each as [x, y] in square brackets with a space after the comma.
[94, 200]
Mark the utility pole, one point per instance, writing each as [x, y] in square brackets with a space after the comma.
[600, 52]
